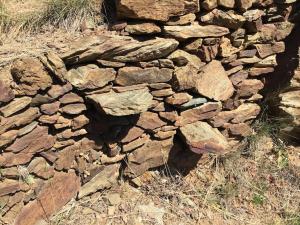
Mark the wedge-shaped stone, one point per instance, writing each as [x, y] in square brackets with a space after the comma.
[265, 50]
[104, 179]
[152, 154]
[202, 138]
[90, 77]
[51, 198]
[194, 31]
[6, 93]
[214, 83]
[118, 49]
[156, 10]
[123, 104]
[135, 75]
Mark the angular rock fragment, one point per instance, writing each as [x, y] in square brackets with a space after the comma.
[149, 121]
[202, 138]
[21, 119]
[30, 75]
[52, 197]
[134, 75]
[182, 58]
[40, 167]
[58, 90]
[73, 109]
[206, 111]
[243, 113]
[265, 50]
[257, 71]
[228, 19]
[90, 77]
[6, 93]
[142, 28]
[71, 98]
[123, 104]
[106, 177]
[50, 108]
[152, 154]
[156, 10]
[8, 137]
[178, 98]
[249, 87]
[226, 3]
[213, 82]
[181, 20]
[194, 31]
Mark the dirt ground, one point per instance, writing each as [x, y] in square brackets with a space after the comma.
[259, 186]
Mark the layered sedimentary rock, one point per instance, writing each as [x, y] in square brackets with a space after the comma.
[114, 105]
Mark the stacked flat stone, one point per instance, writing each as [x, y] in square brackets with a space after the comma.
[71, 124]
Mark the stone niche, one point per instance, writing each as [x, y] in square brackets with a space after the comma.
[180, 71]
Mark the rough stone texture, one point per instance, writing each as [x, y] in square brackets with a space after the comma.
[6, 93]
[90, 77]
[201, 138]
[54, 195]
[142, 28]
[16, 105]
[105, 178]
[125, 103]
[30, 75]
[135, 75]
[214, 83]
[156, 10]
[194, 31]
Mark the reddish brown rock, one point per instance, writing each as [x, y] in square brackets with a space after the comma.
[53, 196]
[155, 10]
[11, 186]
[149, 121]
[265, 50]
[249, 87]
[31, 76]
[195, 31]
[71, 98]
[134, 75]
[58, 90]
[66, 158]
[90, 77]
[150, 155]
[15, 106]
[238, 77]
[50, 108]
[202, 138]
[132, 134]
[21, 119]
[178, 98]
[73, 109]
[49, 119]
[162, 93]
[125, 103]
[213, 82]
[203, 112]
[256, 71]
[6, 93]
[8, 137]
[69, 133]
[243, 113]
[142, 28]
[79, 122]
[40, 167]
[240, 129]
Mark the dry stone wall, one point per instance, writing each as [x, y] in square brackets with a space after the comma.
[180, 71]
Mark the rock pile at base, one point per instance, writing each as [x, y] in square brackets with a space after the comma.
[181, 71]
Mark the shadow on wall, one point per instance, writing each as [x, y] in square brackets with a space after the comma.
[287, 63]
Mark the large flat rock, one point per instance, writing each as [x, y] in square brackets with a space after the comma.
[124, 103]
[202, 138]
[118, 49]
[136, 75]
[195, 31]
[156, 10]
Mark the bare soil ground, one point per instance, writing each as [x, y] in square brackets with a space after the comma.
[259, 187]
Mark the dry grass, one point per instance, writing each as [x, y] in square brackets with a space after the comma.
[36, 15]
